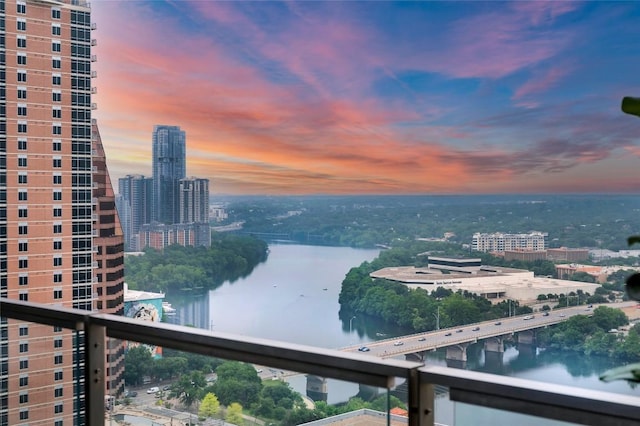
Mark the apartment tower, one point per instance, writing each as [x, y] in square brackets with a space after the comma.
[135, 203]
[194, 200]
[56, 239]
[169, 166]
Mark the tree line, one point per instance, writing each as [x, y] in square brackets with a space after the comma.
[187, 269]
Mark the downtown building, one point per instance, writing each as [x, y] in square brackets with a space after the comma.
[135, 201]
[169, 166]
[60, 236]
[501, 242]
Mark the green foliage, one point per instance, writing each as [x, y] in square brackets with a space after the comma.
[237, 382]
[180, 268]
[210, 406]
[137, 364]
[189, 388]
[234, 414]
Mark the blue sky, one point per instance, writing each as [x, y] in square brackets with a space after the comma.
[375, 97]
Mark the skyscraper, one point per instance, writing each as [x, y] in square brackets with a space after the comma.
[52, 226]
[169, 166]
[194, 200]
[135, 206]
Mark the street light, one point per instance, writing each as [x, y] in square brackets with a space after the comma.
[350, 323]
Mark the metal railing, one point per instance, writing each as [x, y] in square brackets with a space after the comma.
[543, 400]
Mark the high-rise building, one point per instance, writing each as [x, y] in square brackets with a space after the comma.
[194, 200]
[58, 231]
[134, 209]
[169, 166]
[499, 242]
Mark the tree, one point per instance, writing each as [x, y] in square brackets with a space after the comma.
[234, 414]
[210, 406]
[608, 318]
[137, 363]
[237, 382]
[189, 388]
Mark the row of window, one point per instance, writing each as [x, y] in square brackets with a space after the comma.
[57, 180]
[22, 146]
[21, 8]
[21, 43]
[23, 229]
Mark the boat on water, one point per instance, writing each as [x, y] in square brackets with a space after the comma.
[381, 334]
[167, 309]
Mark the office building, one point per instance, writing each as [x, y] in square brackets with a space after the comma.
[169, 166]
[158, 235]
[134, 206]
[500, 242]
[194, 200]
[51, 221]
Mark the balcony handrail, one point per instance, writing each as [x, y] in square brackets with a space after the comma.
[504, 393]
[549, 400]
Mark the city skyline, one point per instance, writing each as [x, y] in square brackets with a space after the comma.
[375, 97]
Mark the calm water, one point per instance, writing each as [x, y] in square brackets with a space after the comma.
[293, 297]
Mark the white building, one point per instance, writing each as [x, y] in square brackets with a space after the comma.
[499, 242]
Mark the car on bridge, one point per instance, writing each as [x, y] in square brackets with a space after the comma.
[528, 317]
[364, 349]
[498, 323]
[398, 343]
[447, 334]
[475, 329]
[422, 339]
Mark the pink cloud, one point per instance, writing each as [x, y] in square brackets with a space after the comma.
[541, 82]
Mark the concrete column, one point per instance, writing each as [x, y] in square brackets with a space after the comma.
[527, 337]
[457, 352]
[317, 388]
[417, 357]
[494, 344]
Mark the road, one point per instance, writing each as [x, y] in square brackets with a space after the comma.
[451, 336]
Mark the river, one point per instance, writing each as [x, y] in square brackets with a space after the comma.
[293, 297]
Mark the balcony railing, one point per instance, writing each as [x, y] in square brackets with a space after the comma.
[542, 400]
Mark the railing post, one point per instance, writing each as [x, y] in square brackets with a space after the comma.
[421, 401]
[95, 374]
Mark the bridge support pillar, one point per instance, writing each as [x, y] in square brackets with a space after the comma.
[317, 388]
[457, 352]
[494, 344]
[417, 356]
[528, 337]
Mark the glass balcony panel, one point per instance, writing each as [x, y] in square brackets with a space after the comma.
[472, 415]
[164, 385]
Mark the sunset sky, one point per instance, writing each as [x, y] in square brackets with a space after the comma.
[375, 97]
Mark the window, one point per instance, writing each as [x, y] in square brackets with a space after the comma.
[22, 76]
[24, 296]
[22, 92]
[57, 343]
[21, 41]
[21, 7]
[22, 161]
[57, 277]
[56, 46]
[22, 195]
[24, 347]
[24, 364]
[55, 29]
[21, 24]
[23, 229]
[57, 244]
[23, 245]
[57, 129]
[23, 263]
[24, 380]
[24, 398]
[57, 145]
[57, 162]
[56, 63]
[56, 113]
[23, 280]
[24, 414]
[57, 359]
[56, 96]
[57, 195]
[57, 375]
[58, 392]
[57, 293]
[58, 408]
[23, 330]
[22, 144]
[22, 178]
[55, 13]
[23, 212]
[56, 80]
[57, 329]
[57, 261]
[57, 179]
[22, 59]
[57, 229]
[57, 212]
[22, 110]
[22, 127]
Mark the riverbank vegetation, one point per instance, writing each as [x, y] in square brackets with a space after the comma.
[195, 269]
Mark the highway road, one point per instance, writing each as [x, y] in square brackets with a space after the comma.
[473, 332]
